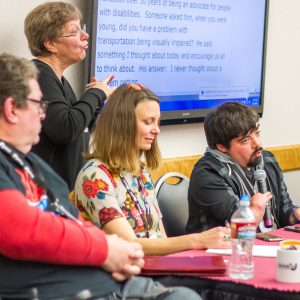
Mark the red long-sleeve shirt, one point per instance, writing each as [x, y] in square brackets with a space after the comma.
[27, 233]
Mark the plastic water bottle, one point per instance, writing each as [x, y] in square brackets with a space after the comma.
[243, 230]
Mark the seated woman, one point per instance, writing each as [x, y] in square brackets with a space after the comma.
[115, 188]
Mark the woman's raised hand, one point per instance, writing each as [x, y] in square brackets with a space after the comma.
[102, 85]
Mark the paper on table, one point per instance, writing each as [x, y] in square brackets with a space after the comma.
[258, 250]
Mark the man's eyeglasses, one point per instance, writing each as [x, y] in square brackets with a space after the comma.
[76, 32]
[42, 104]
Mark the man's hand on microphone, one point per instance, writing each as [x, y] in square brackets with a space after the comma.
[258, 205]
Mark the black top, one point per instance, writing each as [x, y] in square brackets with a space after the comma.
[65, 134]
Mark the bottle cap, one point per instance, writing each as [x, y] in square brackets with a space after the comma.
[244, 199]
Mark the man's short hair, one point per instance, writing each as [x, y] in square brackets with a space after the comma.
[227, 122]
[15, 74]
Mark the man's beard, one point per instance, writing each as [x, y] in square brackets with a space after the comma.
[257, 160]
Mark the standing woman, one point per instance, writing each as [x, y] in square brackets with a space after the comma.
[114, 189]
[57, 40]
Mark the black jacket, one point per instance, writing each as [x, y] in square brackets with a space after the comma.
[214, 193]
[64, 135]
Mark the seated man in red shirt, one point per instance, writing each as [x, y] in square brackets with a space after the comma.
[43, 246]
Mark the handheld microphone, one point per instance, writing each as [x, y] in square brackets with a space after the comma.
[260, 177]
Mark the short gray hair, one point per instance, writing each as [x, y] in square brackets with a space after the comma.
[45, 23]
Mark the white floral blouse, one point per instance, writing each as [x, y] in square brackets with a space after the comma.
[103, 197]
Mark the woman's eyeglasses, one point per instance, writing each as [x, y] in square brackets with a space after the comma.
[42, 104]
[76, 33]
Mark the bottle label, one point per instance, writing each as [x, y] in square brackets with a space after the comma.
[245, 231]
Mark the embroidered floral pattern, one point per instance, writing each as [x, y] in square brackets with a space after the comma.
[107, 214]
[80, 207]
[93, 188]
[133, 222]
[102, 167]
[90, 188]
[147, 181]
[132, 215]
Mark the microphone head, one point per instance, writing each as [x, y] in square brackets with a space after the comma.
[260, 175]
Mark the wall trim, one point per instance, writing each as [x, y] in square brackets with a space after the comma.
[288, 158]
